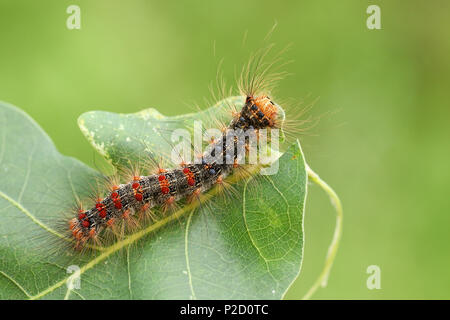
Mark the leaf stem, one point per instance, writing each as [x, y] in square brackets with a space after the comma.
[332, 249]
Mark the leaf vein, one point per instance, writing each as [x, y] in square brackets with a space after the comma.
[15, 283]
[31, 216]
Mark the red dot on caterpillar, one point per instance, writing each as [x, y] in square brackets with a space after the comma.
[135, 185]
[165, 190]
[138, 196]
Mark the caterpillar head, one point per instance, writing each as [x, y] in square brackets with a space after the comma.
[258, 113]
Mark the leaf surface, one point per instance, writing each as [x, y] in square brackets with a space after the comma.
[249, 246]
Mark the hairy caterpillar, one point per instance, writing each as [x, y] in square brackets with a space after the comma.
[139, 207]
[167, 186]
[133, 200]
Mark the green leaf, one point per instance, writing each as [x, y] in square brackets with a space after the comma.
[247, 247]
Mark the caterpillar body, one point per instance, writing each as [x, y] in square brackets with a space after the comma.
[135, 198]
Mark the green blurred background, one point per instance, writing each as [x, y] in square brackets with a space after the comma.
[383, 143]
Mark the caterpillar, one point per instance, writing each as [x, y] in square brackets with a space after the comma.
[136, 198]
